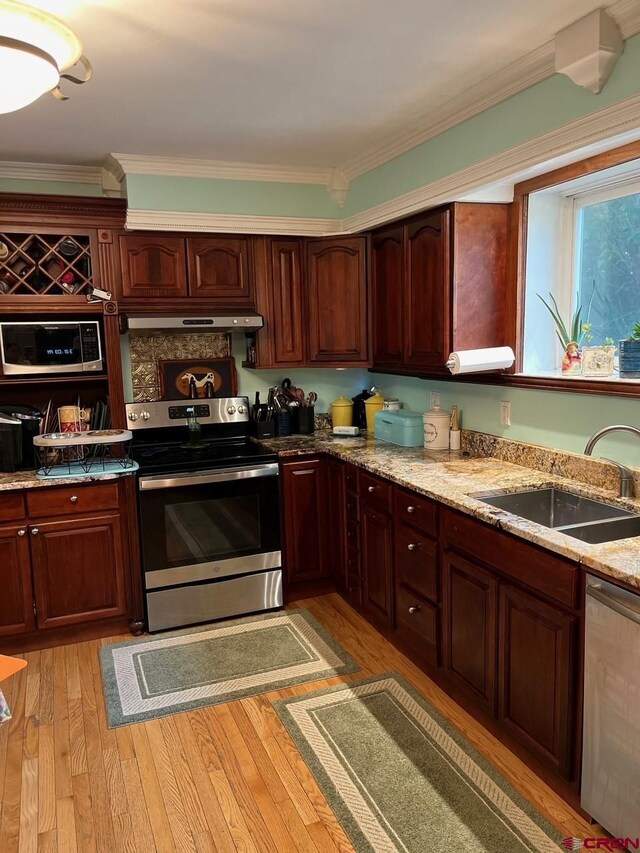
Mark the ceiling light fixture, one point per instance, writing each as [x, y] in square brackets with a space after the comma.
[35, 49]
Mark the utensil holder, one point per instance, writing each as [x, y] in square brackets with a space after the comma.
[306, 420]
[262, 429]
[283, 424]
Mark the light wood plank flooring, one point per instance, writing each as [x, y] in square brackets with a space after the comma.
[226, 778]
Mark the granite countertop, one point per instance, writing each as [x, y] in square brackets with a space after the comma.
[30, 480]
[454, 478]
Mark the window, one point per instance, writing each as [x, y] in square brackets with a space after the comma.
[582, 274]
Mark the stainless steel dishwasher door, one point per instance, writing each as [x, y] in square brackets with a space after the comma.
[611, 746]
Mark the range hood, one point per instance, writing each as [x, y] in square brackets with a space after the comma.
[216, 323]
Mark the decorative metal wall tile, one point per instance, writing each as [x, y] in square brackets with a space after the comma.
[144, 373]
[146, 394]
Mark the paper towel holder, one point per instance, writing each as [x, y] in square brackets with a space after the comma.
[489, 358]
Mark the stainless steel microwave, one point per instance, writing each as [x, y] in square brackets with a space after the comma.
[63, 346]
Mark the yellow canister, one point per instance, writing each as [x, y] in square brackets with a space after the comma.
[342, 412]
[372, 406]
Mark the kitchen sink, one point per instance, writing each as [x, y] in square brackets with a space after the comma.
[585, 519]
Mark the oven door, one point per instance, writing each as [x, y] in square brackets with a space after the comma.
[209, 525]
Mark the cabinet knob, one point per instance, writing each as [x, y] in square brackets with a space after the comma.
[411, 546]
[74, 499]
[414, 608]
[21, 532]
[35, 531]
[411, 509]
[372, 489]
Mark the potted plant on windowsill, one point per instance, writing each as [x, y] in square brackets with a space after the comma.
[570, 339]
[630, 355]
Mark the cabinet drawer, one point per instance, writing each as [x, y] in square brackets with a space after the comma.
[417, 623]
[353, 534]
[72, 500]
[417, 511]
[351, 479]
[11, 506]
[543, 571]
[375, 492]
[416, 561]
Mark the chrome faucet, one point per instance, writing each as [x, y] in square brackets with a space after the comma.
[626, 475]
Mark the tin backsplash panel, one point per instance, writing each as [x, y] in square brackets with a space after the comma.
[148, 350]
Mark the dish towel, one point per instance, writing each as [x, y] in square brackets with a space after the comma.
[5, 713]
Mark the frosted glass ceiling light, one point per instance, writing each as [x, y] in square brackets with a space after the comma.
[35, 49]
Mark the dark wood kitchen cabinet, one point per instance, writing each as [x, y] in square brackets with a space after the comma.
[78, 570]
[376, 545]
[16, 600]
[439, 283]
[337, 527]
[219, 269]
[538, 656]
[469, 626]
[303, 485]
[153, 265]
[337, 300]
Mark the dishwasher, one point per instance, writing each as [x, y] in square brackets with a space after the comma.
[611, 745]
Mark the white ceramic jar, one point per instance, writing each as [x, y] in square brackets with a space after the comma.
[391, 404]
[436, 428]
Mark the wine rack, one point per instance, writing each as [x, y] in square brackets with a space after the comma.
[45, 265]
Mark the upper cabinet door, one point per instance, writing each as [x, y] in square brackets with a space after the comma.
[427, 310]
[337, 300]
[153, 265]
[387, 282]
[287, 301]
[219, 269]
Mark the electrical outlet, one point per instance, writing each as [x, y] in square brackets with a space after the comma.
[505, 413]
[435, 398]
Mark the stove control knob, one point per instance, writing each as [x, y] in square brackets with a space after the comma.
[133, 416]
[145, 416]
[242, 410]
[231, 410]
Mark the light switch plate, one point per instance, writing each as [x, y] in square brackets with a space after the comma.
[435, 398]
[505, 413]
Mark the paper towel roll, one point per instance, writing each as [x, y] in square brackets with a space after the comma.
[478, 360]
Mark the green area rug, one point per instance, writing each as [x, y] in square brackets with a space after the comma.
[182, 670]
[400, 778]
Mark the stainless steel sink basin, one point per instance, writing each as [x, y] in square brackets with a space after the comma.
[585, 519]
[555, 507]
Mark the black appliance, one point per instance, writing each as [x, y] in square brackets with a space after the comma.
[66, 346]
[27, 421]
[10, 443]
[359, 410]
[209, 512]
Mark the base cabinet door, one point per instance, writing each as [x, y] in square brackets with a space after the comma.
[304, 500]
[336, 523]
[16, 598]
[538, 659]
[469, 616]
[377, 567]
[78, 570]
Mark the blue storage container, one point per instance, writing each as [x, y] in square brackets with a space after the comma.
[403, 428]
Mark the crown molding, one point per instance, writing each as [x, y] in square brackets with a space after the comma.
[620, 118]
[11, 170]
[140, 164]
[534, 67]
[178, 220]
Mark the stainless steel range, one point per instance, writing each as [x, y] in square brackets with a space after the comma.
[209, 512]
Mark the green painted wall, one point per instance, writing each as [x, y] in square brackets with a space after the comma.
[531, 113]
[204, 195]
[550, 418]
[49, 187]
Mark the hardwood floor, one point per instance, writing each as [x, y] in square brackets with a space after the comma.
[225, 778]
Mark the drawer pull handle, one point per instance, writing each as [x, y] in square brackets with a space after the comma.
[73, 499]
[371, 489]
[411, 546]
[35, 531]
[21, 532]
[414, 608]
[411, 509]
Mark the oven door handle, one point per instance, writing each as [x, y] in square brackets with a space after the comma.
[161, 481]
